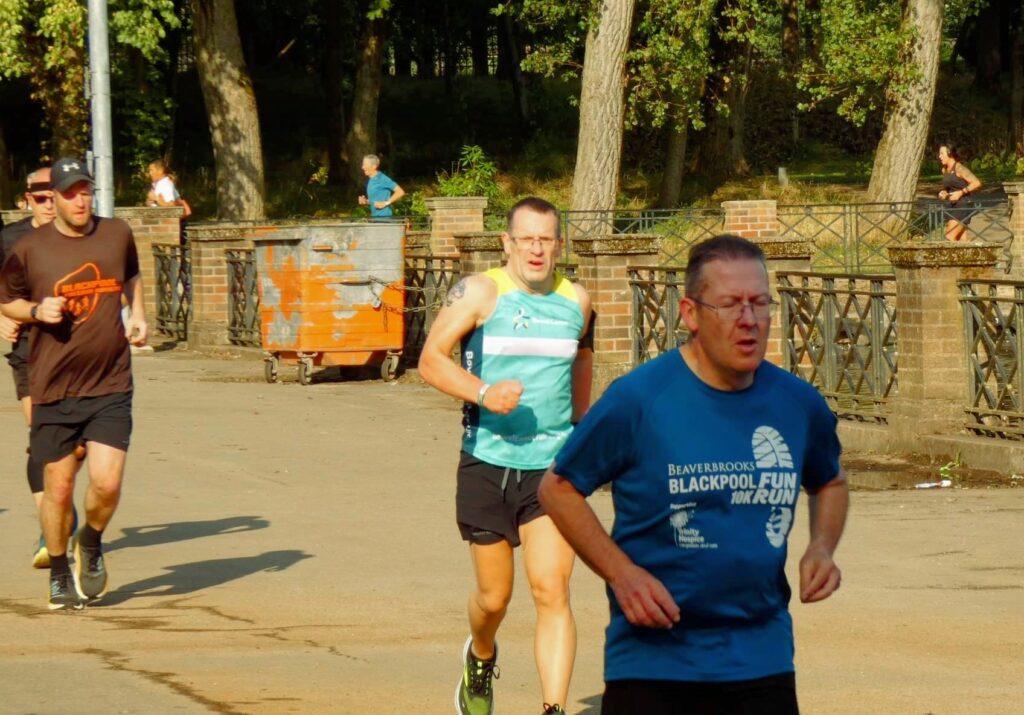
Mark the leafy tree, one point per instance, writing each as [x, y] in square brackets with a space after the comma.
[45, 42]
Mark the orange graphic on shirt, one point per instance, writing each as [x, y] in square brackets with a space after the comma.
[83, 288]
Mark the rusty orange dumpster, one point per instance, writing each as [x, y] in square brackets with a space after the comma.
[331, 295]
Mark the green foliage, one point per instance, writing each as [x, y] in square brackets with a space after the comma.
[863, 48]
[44, 41]
[668, 63]
[473, 175]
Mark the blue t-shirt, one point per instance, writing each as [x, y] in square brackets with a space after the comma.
[704, 484]
[379, 187]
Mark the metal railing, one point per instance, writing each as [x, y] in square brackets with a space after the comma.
[427, 281]
[853, 238]
[173, 289]
[243, 297]
[840, 335]
[655, 312]
[679, 228]
[993, 314]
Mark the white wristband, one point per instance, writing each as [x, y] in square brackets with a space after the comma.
[480, 395]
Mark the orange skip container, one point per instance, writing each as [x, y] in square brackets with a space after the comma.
[332, 295]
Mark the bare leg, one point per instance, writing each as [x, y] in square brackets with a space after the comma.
[493, 564]
[955, 230]
[55, 508]
[106, 472]
[549, 559]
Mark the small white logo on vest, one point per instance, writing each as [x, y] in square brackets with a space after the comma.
[521, 321]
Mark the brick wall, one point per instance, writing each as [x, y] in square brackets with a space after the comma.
[751, 219]
[451, 215]
[480, 251]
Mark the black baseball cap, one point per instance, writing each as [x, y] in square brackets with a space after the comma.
[67, 171]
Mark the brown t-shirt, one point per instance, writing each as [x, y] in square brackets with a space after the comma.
[86, 355]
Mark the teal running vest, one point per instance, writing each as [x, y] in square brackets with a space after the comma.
[533, 339]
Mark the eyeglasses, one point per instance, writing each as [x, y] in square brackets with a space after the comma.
[528, 241]
[42, 198]
[760, 308]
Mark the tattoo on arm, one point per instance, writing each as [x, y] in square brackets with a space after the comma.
[456, 292]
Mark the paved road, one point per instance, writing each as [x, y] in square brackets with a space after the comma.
[287, 549]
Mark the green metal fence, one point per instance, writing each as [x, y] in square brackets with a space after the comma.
[655, 310]
[428, 278]
[993, 314]
[679, 228]
[243, 297]
[840, 335]
[173, 290]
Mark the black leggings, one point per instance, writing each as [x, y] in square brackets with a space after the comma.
[774, 695]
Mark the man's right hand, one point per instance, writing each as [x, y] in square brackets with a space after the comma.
[503, 397]
[363, 201]
[9, 328]
[644, 599]
[51, 310]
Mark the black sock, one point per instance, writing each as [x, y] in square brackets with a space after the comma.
[88, 536]
[59, 565]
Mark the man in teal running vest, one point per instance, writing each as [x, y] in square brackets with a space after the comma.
[525, 379]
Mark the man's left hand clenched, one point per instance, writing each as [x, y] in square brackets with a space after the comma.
[819, 575]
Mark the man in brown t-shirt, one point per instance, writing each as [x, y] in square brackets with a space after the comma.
[69, 280]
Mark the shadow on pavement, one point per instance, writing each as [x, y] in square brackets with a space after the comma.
[593, 704]
[153, 534]
[187, 578]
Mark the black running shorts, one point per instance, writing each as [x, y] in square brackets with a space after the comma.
[18, 360]
[492, 502]
[773, 695]
[58, 426]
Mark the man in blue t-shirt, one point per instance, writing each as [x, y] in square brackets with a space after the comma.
[381, 190]
[706, 448]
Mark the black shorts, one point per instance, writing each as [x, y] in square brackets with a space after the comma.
[492, 502]
[773, 695]
[57, 427]
[18, 360]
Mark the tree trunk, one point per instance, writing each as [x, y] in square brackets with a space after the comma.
[230, 109]
[362, 132]
[515, 73]
[1017, 89]
[898, 157]
[722, 153]
[791, 56]
[333, 30]
[675, 163]
[6, 191]
[595, 185]
[479, 34]
[989, 61]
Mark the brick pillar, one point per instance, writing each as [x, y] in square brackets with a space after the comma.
[930, 334]
[451, 215]
[480, 251]
[602, 271]
[209, 326]
[1015, 195]
[782, 255]
[751, 219]
[160, 224]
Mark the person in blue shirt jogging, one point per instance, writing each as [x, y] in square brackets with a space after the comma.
[381, 190]
[707, 448]
[525, 378]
